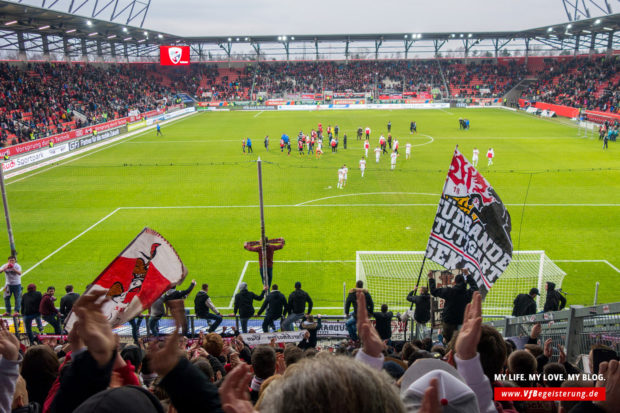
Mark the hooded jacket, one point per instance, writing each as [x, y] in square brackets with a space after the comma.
[555, 301]
[524, 304]
[456, 299]
[243, 302]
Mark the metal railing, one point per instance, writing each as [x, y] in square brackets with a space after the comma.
[576, 328]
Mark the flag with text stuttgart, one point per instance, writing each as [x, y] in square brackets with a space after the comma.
[146, 269]
[472, 226]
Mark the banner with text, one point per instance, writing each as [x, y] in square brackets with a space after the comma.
[254, 339]
[472, 226]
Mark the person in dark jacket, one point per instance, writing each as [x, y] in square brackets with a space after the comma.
[48, 310]
[30, 309]
[275, 304]
[244, 306]
[352, 299]
[202, 304]
[456, 299]
[384, 322]
[296, 307]
[312, 327]
[422, 313]
[555, 300]
[525, 304]
[174, 294]
[66, 302]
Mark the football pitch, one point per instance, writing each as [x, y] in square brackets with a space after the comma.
[197, 188]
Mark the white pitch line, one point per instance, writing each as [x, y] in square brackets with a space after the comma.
[305, 204]
[232, 299]
[259, 113]
[602, 261]
[106, 144]
[366, 193]
[449, 113]
[425, 143]
[70, 241]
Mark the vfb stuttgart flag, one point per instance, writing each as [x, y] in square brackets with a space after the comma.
[472, 226]
[146, 268]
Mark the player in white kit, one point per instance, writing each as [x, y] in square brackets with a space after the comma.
[363, 166]
[408, 151]
[474, 157]
[377, 154]
[340, 178]
[394, 156]
[345, 170]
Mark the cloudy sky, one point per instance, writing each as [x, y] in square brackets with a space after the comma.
[255, 17]
[266, 17]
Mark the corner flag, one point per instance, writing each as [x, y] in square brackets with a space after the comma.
[472, 226]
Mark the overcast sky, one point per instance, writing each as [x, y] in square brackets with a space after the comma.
[256, 17]
[279, 17]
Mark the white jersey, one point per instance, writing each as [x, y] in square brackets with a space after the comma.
[394, 156]
[340, 173]
[475, 154]
[345, 171]
[408, 148]
[363, 164]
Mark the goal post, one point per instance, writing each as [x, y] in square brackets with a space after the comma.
[390, 275]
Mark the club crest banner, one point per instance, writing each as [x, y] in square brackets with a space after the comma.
[147, 268]
[472, 226]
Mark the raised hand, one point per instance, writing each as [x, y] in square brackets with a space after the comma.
[93, 328]
[371, 342]
[9, 344]
[234, 391]
[547, 350]
[469, 336]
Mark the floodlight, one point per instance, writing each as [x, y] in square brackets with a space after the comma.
[141, 41]
[607, 28]
[587, 31]
[112, 36]
[597, 21]
[146, 33]
[44, 27]
[92, 34]
[246, 39]
[284, 38]
[160, 36]
[461, 35]
[419, 35]
[10, 23]
[125, 29]
[469, 35]
[126, 38]
[405, 36]
[292, 37]
[569, 25]
[71, 31]
[89, 23]
[550, 29]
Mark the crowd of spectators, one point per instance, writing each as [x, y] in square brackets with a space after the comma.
[93, 372]
[580, 82]
[40, 99]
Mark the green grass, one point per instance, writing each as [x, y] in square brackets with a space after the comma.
[198, 162]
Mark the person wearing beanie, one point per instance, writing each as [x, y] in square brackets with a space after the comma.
[296, 307]
[456, 299]
[244, 304]
[30, 309]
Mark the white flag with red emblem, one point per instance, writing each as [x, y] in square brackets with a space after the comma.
[148, 267]
[472, 226]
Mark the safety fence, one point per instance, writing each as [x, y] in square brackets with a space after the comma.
[576, 328]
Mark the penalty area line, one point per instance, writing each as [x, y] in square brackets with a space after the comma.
[601, 261]
[69, 242]
[232, 298]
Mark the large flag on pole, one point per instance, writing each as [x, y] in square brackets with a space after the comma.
[146, 269]
[472, 226]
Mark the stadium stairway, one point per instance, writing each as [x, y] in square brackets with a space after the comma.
[514, 94]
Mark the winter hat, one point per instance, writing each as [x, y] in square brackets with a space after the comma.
[454, 395]
[297, 284]
[393, 369]
[243, 286]
[132, 399]
[32, 287]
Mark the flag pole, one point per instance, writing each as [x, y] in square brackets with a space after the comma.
[417, 284]
[262, 222]
[5, 201]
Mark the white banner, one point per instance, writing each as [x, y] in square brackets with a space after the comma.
[281, 337]
[385, 106]
[333, 329]
[170, 115]
[35, 157]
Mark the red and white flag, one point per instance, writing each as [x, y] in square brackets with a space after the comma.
[148, 267]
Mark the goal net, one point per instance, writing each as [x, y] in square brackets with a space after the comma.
[390, 275]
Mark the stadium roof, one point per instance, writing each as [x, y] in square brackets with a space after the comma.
[30, 30]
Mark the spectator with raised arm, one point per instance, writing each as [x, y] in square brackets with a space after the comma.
[13, 275]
